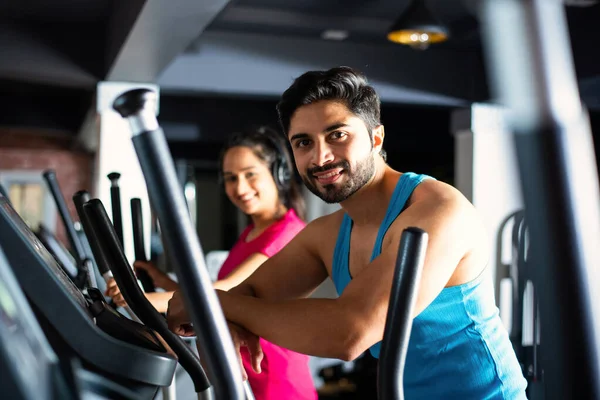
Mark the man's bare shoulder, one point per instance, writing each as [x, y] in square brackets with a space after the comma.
[436, 198]
[327, 223]
[436, 192]
[322, 232]
[449, 205]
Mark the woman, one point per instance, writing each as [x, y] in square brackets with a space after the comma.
[257, 174]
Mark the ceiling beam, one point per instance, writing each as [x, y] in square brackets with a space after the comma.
[162, 30]
[25, 58]
[120, 24]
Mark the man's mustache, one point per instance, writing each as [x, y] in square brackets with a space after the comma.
[342, 164]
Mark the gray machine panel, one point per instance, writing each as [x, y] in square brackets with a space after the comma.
[59, 300]
[26, 358]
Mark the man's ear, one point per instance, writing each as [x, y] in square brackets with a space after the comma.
[378, 136]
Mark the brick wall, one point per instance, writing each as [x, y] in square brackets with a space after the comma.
[22, 149]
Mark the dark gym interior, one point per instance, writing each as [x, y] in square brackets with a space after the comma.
[221, 66]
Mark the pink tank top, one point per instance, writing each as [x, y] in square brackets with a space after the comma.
[285, 374]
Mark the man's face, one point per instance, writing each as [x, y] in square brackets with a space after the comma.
[332, 148]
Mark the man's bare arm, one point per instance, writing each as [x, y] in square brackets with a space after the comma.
[294, 272]
[345, 327]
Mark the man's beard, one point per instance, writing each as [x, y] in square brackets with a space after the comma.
[355, 179]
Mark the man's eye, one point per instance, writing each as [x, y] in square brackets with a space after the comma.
[302, 143]
[338, 134]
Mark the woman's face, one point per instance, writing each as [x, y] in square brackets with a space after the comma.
[248, 182]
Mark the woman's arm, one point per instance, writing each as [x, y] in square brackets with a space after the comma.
[160, 300]
[159, 278]
[241, 272]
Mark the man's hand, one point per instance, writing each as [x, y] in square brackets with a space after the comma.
[159, 278]
[178, 318]
[244, 338]
[180, 323]
[113, 291]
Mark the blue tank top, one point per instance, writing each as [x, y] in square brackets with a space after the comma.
[458, 347]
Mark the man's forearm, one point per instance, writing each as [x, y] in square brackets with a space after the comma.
[318, 327]
[243, 289]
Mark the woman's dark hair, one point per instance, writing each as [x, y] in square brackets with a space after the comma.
[270, 147]
[342, 84]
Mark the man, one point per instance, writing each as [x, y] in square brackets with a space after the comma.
[458, 346]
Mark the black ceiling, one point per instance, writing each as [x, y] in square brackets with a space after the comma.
[58, 50]
[59, 11]
[365, 21]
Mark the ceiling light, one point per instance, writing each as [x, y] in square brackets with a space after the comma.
[417, 27]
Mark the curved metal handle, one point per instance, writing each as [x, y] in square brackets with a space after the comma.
[102, 260]
[134, 296]
[79, 199]
[398, 325]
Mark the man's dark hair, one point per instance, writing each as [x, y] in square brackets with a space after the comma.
[342, 84]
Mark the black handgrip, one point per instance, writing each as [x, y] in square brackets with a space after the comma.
[115, 202]
[102, 260]
[135, 298]
[61, 205]
[80, 198]
[138, 244]
[517, 277]
[166, 195]
[398, 325]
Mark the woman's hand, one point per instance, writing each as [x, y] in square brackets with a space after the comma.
[113, 291]
[159, 278]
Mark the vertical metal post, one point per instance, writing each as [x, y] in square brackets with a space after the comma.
[115, 201]
[139, 246]
[85, 276]
[166, 196]
[532, 73]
